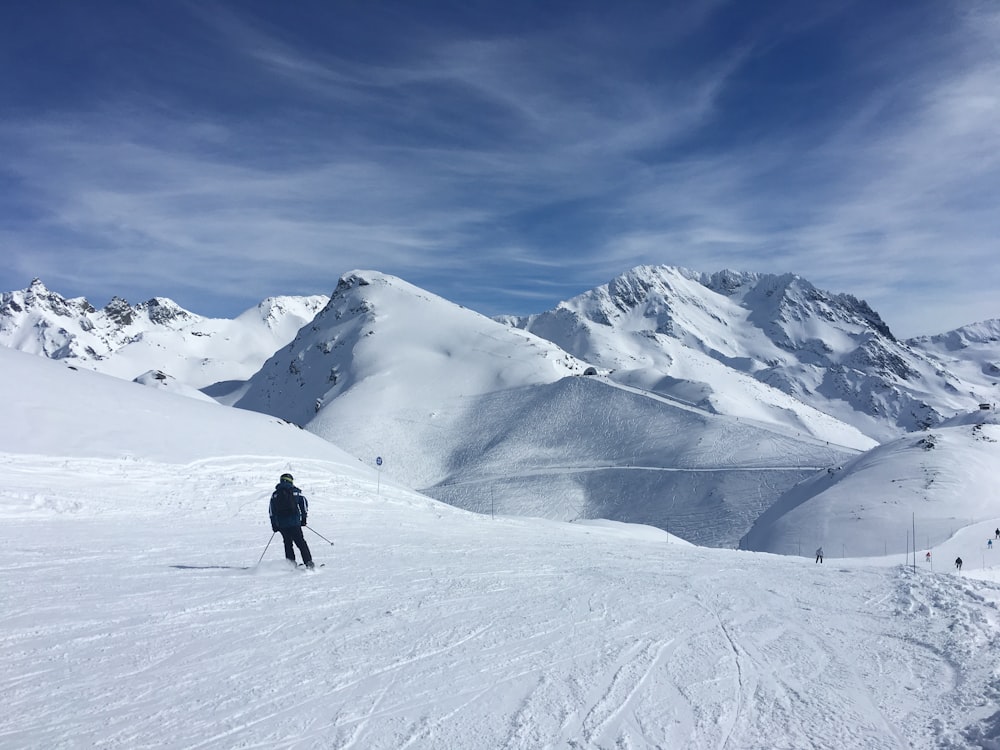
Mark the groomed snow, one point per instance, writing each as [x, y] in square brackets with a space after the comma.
[135, 614]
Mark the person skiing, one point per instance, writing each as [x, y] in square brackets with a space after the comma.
[997, 532]
[927, 557]
[958, 564]
[288, 510]
[819, 555]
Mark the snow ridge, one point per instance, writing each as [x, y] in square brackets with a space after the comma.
[127, 340]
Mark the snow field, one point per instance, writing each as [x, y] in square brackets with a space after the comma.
[433, 628]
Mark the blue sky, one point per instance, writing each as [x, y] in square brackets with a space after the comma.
[503, 155]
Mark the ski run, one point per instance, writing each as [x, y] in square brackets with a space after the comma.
[134, 613]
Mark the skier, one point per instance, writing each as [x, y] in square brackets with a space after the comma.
[819, 555]
[989, 544]
[927, 557]
[288, 509]
[997, 532]
[958, 564]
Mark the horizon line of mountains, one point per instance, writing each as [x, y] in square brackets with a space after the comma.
[711, 395]
[821, 348]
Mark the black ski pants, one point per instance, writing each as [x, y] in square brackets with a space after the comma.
[294, 534]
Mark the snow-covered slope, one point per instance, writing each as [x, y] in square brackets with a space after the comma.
[830, 351]
[485, 416]
[937, 481]
[127, 340]
[143, 606]
[50, 408]
[590, 448]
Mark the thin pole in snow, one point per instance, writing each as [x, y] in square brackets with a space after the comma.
[265, 547]
[913, 520]
[319, 535]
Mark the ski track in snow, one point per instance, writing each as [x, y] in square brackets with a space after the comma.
[128, 623]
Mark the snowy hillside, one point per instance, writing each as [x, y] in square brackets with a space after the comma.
[830, 351]
[938, 481]
[135, 612]
[485, 416]
[55, 409]
[387, 368]
[128, 340]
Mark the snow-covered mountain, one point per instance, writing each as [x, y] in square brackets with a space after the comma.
[971, 354]
[128, 340]
[683, 333]
[388, 368]
[489, 417]
[144, 605]
[964, 341]
[599, 408]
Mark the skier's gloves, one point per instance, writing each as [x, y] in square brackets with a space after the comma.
[274, 528]
[303, 520]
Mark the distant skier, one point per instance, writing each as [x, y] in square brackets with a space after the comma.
[997, 532]
[288, 509]
[958, 564]
[989, 544]
[819, 555]
[927, 557]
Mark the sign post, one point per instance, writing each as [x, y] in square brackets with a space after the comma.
[378, 483]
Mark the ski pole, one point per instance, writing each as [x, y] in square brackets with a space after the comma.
[319, 535]
[265, 547]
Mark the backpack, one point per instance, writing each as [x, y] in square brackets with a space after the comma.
[285, 502]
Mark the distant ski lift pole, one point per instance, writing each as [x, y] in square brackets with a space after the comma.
[378, 481]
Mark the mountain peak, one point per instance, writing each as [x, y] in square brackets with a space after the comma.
[354, 280]
[42, 300]
[831, 351]
[119, 311]
[384, 344]
[162, 310]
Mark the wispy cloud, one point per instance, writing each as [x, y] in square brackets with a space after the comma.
[525, 163]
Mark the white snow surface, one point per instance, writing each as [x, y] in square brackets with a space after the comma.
[135, 613]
